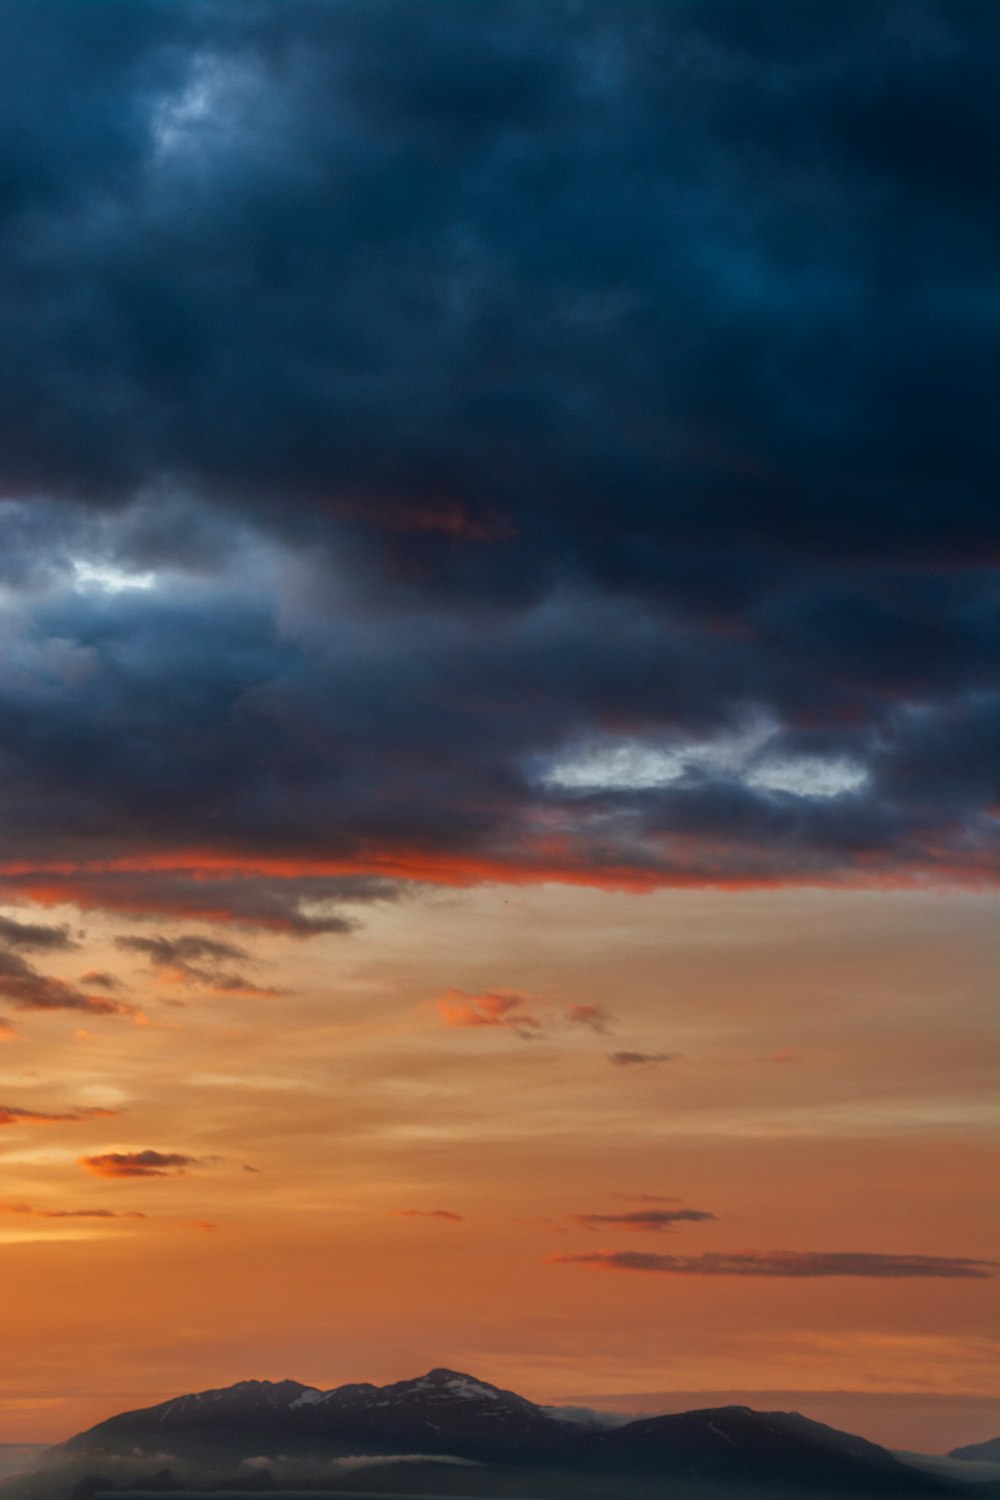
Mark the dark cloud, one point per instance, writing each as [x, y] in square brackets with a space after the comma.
[593, 1017]
[612, 279]
[632, 399]
[190, 959]
[640, 1059]
[33, 937]
[793, 1263]
[644, 1221]
[22, 986]
[139, 1163]
[296, 904]
[10, 1115]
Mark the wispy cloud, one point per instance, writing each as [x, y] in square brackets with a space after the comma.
[25, 988]
[194, 960]
[12, 1115]
[505, 1008]
[594, 1017]
[100, 979]
[28, 1210]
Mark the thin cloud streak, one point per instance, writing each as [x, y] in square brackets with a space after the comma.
[28, 1210]
[12, 1115]
[644, 1221]
[787, 1263]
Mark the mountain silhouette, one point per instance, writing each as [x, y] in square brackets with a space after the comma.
[447, 1416]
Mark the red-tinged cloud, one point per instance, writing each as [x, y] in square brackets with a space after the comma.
[204, 1226]
[786, 1263]
[504, 1008]
[594, 1017]
[28, 1210]
[644, 1221]
[640, 1059]
[11, 1115]
[139, 1164]
[428, 1213]
[6, 1030]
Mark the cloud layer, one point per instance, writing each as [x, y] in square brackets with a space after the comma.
[584, 477]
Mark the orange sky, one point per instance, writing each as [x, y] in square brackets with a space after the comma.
[825, 1086]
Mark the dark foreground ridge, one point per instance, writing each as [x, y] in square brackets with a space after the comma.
[449, 1433]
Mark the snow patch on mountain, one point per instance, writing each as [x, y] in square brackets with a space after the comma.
[309, 1398]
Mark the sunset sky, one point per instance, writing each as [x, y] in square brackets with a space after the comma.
[499, 720]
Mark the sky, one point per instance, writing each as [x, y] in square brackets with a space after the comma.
[499, 717]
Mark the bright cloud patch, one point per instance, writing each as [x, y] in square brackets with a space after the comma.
[631, 765]
[807, 776]
[106, 578]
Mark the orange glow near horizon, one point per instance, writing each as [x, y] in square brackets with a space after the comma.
[369, 1156]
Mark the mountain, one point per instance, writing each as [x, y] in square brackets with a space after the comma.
[988, 1452]
[441, 1412]
[446, 1417]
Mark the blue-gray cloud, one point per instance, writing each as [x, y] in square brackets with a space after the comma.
[385, 452]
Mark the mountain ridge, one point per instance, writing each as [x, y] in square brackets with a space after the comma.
[450, 1416]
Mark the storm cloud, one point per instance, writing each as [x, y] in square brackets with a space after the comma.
[585, 475]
